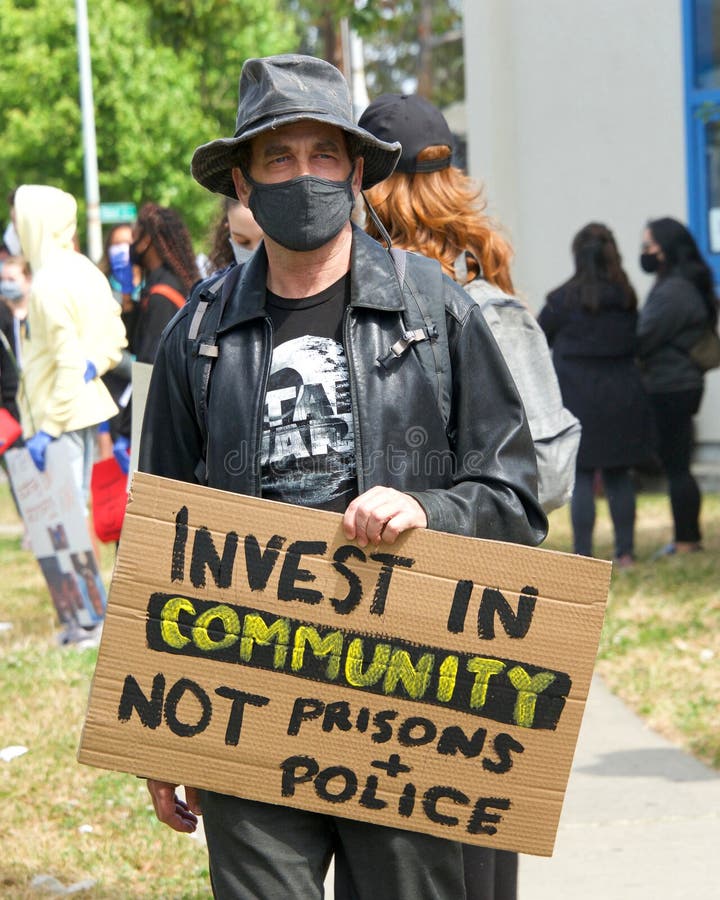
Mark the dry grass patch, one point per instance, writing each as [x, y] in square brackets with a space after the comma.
[660, 647]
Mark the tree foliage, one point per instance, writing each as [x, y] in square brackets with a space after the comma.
[410, 45]
[165, 75]
[158, 93]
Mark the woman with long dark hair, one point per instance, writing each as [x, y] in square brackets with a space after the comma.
[680, 305]
[590, 323]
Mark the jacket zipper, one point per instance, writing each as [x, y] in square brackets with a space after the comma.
[359, 469]
[261, 405]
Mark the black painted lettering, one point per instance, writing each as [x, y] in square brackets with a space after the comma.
[363, 719]
[406, 803]
[177, 566]
[304, 709]
[427, 732]
[459, 608]
[134, 698]
[515, 626]
[259, 565]
[176, 693]
[292, 769]
[291, 572]
[393, 765]
[369, 798]
[454, 739]
[389, 561]
[237, 710]
[354, 594]
[483, 822]
[503, 745]
[204, 554]
[337, 715]
[348, 784]
[430, 802]
[381, 721]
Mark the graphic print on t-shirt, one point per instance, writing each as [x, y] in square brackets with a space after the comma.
[308, 445]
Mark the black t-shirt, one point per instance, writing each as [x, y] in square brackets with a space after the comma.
[308, 443]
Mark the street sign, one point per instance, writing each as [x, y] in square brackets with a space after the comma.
[117, 212]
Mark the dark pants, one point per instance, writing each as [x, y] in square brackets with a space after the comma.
[620, 493]
[490, 874]
[263, 852]
[673, 421]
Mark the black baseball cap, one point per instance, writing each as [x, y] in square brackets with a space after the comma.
[413, 121]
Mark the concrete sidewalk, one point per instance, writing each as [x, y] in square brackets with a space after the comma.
[641, 819]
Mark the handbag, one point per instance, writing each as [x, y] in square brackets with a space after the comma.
[10, 430]
[705, 353]
[108, 489]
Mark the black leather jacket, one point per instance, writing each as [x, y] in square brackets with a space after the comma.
[474, 476]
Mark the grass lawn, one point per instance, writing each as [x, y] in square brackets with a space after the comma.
[660, 645]
[659, 651]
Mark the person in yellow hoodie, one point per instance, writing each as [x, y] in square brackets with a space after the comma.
[75, 332]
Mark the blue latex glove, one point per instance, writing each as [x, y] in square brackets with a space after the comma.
[37, 445]
[119, 256]
[90, 371]
[121, 452]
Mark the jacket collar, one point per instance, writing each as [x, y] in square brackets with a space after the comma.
[373, 280]
[373, 283]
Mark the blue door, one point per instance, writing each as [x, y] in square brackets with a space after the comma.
[702, 100]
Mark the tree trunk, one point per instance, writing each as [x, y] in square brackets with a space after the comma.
[425, 72]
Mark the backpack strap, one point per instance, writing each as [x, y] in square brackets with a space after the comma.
[204, 348]
[173, 295]
[425, 326]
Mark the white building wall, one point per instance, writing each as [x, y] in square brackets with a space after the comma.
[575, 113]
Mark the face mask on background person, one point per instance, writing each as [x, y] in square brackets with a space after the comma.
[241, 254]
[11, 290]
[303, 213]
[11, 240]
[649, 262]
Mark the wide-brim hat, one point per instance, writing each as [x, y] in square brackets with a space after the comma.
[280, 90]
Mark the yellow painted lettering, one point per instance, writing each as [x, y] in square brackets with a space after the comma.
[446, 681]
[169, 621]
[331, 645]
[483, 669]
[414, 678]
[255, 631]
[528, 689]
[230, 623]
[354, 673]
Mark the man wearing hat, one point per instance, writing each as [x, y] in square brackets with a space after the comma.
[303, 407]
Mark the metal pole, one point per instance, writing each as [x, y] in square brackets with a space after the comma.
[87, 108]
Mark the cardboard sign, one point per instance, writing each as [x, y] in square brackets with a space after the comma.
[141, 374]
[434, 685]
[54, 515]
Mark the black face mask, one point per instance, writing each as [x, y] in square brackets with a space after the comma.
[303, 213]
[649, 262]
[136, 256]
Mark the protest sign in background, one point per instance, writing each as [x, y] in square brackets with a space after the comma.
[436, 685]
[54, 515]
